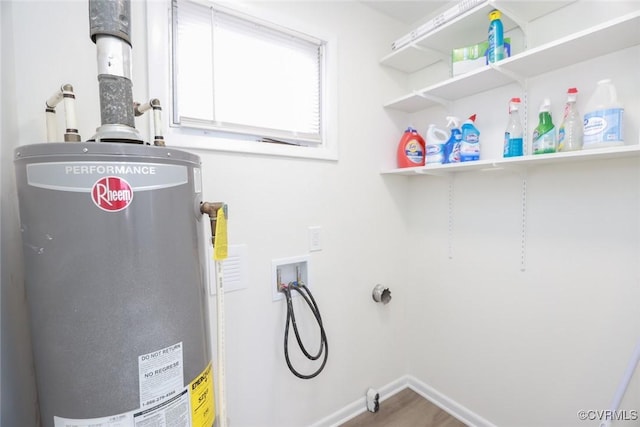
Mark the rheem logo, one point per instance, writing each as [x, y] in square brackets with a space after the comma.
[111, 193]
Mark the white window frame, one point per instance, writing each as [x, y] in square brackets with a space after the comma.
[159, 21]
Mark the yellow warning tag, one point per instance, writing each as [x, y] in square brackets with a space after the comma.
[203, 402]
[220, 250]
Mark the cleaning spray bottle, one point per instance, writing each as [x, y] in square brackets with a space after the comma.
[470, 144]
[513, 141]
[570, 131]
[436, 145]
[544, 135]
[495, 49]
[452, 147]
[411, 149]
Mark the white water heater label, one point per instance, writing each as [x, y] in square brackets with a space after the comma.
[191, 406]
[172, 413]
[161, 375]
[121, 420]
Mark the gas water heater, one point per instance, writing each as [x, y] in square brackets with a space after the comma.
[114, 264]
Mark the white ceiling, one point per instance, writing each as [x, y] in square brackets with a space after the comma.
[405, 11]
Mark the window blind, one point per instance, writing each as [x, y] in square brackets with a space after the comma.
[239, 75]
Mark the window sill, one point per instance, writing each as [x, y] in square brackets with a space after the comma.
[203, 140]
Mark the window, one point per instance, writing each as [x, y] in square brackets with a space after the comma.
[244, 79]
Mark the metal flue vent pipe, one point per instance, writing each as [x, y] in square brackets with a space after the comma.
[110, 30]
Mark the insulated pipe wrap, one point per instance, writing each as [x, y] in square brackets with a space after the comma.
[114, 56]
[116, 100]
[111, 17]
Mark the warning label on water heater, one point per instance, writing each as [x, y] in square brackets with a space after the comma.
[161, 375]
[203, 408]
[121, 420]
[164, 401]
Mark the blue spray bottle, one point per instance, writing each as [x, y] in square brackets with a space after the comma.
[452, 147]
[495, 50]
[470, 144]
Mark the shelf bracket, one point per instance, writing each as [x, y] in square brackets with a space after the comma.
[434, 172]
[522, 23]
[517, 169]
[523, 225]
[521, 171]
[450, 218]
[444, 102]
[513, 76]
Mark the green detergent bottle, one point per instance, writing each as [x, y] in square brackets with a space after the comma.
[544, 135]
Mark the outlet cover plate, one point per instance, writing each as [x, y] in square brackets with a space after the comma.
[315, 238]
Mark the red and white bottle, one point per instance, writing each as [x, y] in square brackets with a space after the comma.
[411, 149]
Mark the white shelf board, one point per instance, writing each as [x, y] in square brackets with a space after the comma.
[611, 36]
[411, 103]
[469, 28]
[464, 30]
[471, 83]
[410, 58]
[521, 163]
[527, 11]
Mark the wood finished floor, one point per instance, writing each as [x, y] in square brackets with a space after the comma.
[405, 409]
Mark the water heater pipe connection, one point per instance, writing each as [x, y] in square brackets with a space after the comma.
[211, 209]
[109, 27]
[140, 109]
[65, 94]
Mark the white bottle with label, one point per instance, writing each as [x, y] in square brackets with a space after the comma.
[570, 131]
[436, 145]
[603, 118]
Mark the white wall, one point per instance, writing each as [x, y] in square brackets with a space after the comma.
[18, 405]
[531, 348]
[271, 201]
[518, 348]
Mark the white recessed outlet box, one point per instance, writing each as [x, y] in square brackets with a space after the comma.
[287, 270]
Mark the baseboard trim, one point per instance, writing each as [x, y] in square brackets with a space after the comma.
[357, 407]
[456, 410]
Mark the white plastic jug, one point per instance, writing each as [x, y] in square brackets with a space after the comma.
[436, 141]
[603, 118]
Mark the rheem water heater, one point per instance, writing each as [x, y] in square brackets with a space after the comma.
[113, 243]
[115, 283]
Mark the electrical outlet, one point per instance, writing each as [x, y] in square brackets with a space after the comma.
[315, 238]
[286, 270]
